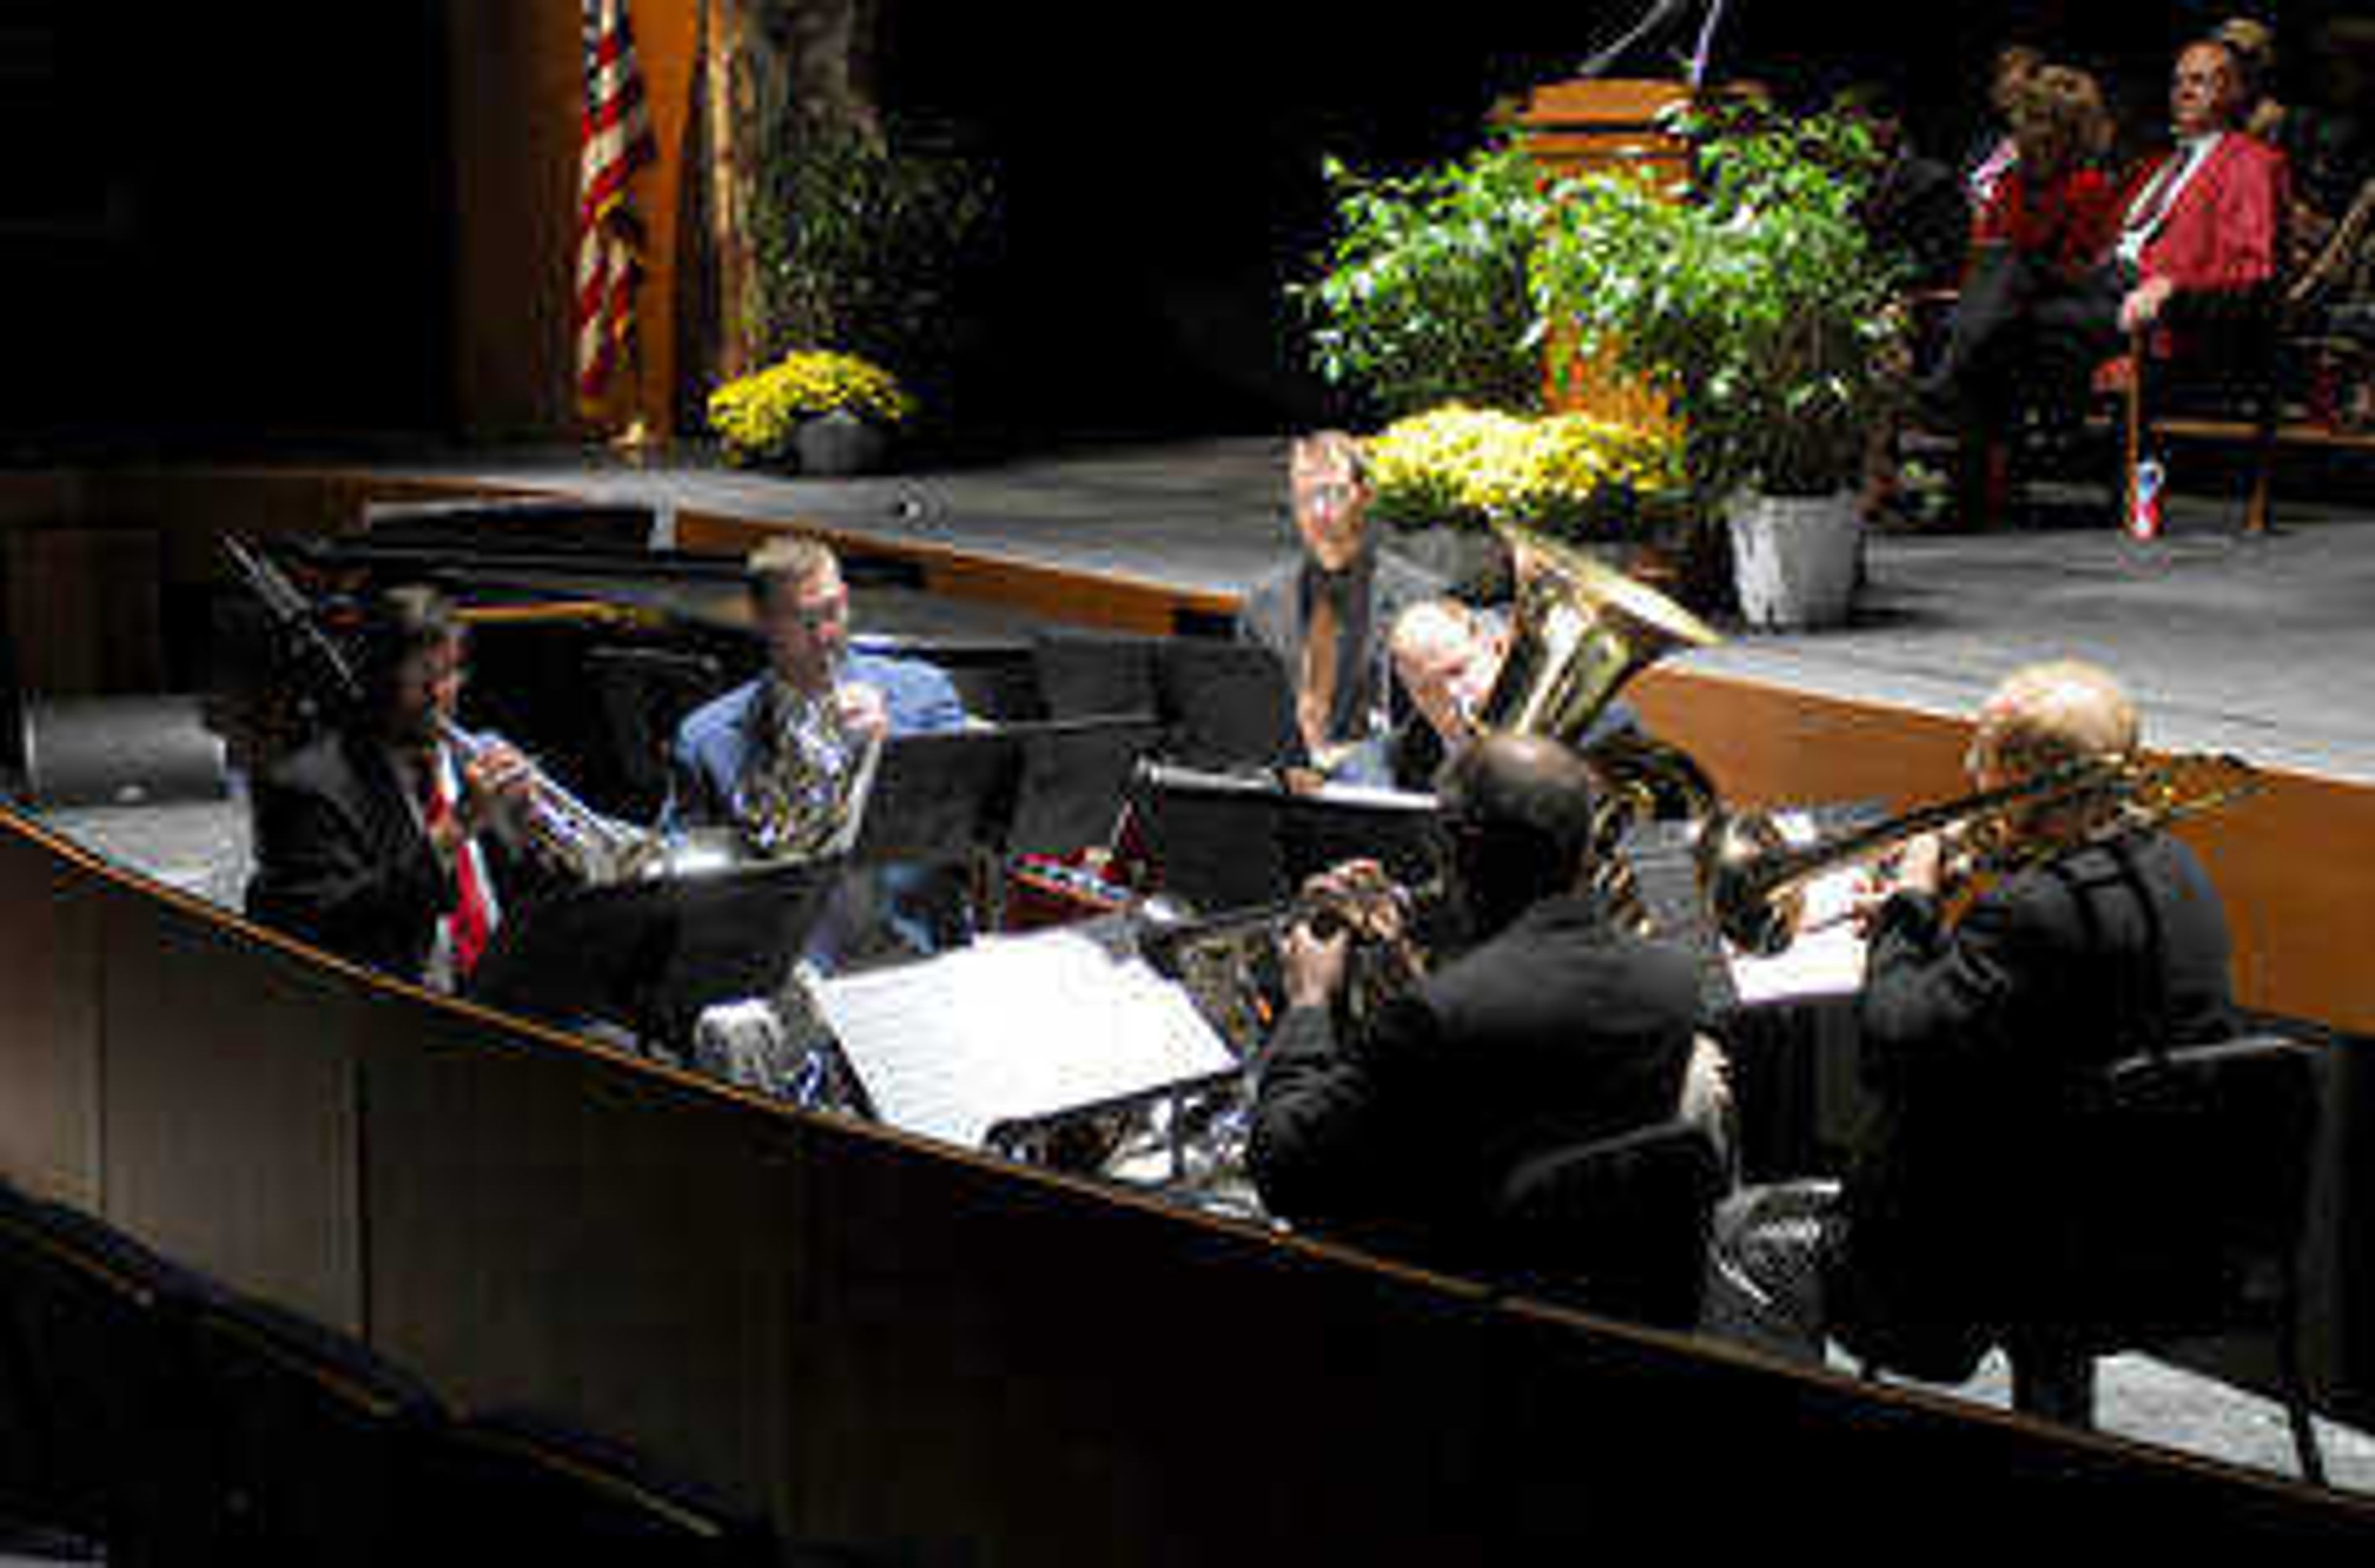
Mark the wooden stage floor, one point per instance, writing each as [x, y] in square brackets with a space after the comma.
[2259, 646]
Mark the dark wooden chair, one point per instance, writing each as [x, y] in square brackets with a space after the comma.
[1617, 1226]
[2178, 1215]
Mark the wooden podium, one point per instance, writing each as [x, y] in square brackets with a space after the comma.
[1586, 127]
[1582, 126]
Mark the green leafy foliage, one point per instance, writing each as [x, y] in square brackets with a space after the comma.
[863, 243]
[1421, 297]
[1758, 307]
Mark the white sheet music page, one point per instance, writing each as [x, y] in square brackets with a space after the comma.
[1014, 1026]
[1827, 958]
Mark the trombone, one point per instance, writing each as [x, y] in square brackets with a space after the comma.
[1755, 881]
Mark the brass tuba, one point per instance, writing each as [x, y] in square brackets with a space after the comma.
[1579, 630]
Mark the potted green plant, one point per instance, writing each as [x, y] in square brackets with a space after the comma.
[1761, 310]
[1422, 295]
[828, 412]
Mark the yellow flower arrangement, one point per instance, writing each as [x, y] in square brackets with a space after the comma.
[755, 415]
[1565, 474]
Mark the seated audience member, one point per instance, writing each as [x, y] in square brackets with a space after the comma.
[2198, 232]
[1976, 1036]
[373, 841]
[790, 734]
[1997, 150]
[1397, 1128]
[1326, 615]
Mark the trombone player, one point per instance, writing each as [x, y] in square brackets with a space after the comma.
[1977, 1032]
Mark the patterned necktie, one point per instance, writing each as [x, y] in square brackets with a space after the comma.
[467, 926]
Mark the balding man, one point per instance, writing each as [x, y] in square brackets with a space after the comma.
[1401, 1129]
[1979, 1038]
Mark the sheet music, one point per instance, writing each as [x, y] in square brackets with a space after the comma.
[1015, 1026]
[1827, 958]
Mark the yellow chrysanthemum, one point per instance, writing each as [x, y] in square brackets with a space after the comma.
[1569, 473]
[755, 415]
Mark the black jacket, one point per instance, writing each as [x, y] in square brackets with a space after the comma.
[1560, 1030]
[341, 860]
[1978, 1043]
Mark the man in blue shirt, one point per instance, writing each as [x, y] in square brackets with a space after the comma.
[819, 694]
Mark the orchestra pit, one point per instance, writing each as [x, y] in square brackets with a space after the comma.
[610, 966]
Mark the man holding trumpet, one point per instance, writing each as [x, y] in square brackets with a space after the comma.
[1977, 1034]
[370, 842]
[1557, 1027]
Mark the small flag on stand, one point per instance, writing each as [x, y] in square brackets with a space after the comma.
[615, 141]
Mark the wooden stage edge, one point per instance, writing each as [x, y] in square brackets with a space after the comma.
[2287, 859]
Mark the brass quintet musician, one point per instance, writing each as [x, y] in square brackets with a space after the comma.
[1557, 1027]
[768, 754]
[371, 840]
[1326, 615]
[2102, 937]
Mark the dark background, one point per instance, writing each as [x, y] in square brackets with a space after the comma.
[226, 227]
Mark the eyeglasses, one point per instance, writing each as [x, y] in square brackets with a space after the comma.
[1327, 495]
[810, 617]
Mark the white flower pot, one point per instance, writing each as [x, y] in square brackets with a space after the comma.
[1794, 557]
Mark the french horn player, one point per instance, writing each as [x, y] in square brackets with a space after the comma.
[775, 756]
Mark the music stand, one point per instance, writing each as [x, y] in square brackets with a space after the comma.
[1075, 771]
[1230, 841]
[939, 797]
[1013, 1033]
[1229, 705]
[649, 956]
[1089, 673]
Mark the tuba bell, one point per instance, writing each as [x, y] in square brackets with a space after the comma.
[1580, 632]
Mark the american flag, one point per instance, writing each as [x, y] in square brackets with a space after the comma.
[615, 140]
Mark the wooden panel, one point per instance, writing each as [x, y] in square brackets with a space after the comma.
[1578, 126]
[1112, 600]
[231, 1111]
[2292, 861]
[49, 1022]
[1591, 126]
[885, 1341]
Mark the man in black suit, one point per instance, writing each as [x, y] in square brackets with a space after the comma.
[1977, 1038]
[1400, 1130]
[1326, 615]
[368, 840]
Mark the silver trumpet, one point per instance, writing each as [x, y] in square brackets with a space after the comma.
[563, 831]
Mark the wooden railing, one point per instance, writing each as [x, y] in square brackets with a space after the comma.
[883, 1340]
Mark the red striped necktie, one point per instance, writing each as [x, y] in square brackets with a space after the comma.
[468, 925]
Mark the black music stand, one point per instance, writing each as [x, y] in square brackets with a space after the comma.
[649, 956]
[1075, 772]
[1229, 705]
[1229, 842]
[939, 797]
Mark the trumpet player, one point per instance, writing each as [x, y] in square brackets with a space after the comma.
[1977, 1036]
[372, 841]
[1557, 1027]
